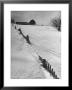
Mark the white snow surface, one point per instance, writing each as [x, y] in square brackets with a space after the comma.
[46, 42]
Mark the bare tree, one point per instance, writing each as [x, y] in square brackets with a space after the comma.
[12, 21]
[56, 22]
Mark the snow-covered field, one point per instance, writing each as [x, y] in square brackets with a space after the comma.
[46, 42]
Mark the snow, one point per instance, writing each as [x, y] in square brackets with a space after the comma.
[46, 42]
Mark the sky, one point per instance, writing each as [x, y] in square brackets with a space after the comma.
[41, 17]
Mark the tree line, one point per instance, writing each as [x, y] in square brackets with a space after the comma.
[56, 22]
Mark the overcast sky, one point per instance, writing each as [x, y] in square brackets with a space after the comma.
[41, 17]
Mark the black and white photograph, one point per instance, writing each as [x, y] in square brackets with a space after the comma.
[35, 45]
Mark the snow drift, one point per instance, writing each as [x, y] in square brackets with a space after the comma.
[46, 42]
